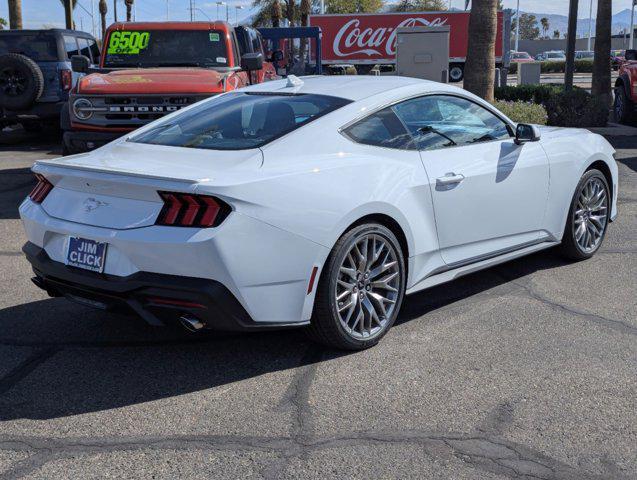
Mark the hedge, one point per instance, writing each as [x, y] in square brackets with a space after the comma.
[523, 112]
[576, 108]
[581, 66]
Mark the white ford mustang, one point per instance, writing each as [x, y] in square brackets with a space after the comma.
[318, 201]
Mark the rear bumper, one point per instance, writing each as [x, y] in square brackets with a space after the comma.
[38, 111]
[158, 298]
[85, 141]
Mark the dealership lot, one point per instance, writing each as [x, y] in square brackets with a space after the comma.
[526, 370]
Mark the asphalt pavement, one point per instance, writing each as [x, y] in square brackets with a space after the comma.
[526, 370]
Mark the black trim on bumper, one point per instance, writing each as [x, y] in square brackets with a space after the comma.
[77, 141]
[217, 308]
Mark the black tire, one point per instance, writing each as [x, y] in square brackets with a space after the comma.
[569, 247]
[456, 72]
[623, 107]
[325, 327]
[21, 82]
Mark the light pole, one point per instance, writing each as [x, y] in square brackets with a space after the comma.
[236, 13]
[219, 4]
[632, 24]
[590, 25]
[517, 28]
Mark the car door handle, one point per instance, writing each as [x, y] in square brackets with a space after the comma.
[449, 179]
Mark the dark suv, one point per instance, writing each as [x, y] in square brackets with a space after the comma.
[36, 75]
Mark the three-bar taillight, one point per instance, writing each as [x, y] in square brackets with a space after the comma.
[41, 189]
[188, 210]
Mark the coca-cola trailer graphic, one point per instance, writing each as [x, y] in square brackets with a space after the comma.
[369, 39]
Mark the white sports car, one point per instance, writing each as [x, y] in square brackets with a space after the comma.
[318, 201]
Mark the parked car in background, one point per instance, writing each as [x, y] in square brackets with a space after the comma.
[552, 56]
[617, 57]
[316, 202]
[151, 69]
[521, 57]
[584, 55]
[626, 89]
[36, 75]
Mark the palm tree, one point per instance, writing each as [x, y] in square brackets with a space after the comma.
[556, 34]
[69, 15]
[103, 11]
[15, 14]
[306, 9]
[480, 66]
[601, 85]
[129, 7]
[545, 25]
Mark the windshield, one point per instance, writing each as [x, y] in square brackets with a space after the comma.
[586, 54]
[164, 48]
[38, 47]
[555, 55]
[239, 121]
[518, 56]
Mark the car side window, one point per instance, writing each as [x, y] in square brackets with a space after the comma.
[95, 50]
[70, 45]
[381, 129]
[85, 49]
[438, 121]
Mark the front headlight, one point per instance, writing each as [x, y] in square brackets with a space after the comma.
[83, 108]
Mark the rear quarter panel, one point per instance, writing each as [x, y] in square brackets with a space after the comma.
[571, 152]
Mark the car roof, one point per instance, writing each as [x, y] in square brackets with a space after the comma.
[64, 31]
[351, 87]
[211, 25]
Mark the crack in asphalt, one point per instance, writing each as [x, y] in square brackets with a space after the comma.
[32, 362]
[615, 324]
[483, 452]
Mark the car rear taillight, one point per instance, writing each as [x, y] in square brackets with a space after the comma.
[66, 79]
[186, 210]
[41, 190]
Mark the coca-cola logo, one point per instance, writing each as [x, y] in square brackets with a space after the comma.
[351, 39]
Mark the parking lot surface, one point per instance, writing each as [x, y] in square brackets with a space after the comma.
[526, 370]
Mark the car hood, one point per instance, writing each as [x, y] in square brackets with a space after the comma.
[153, 80]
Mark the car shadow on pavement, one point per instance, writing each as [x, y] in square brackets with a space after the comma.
[15, 185]
[76, 360]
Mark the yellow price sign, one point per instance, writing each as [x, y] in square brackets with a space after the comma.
[127, 43]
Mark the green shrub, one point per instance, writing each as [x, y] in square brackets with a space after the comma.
[576, 108]
[523, 112]
[581, 66]
[527, 93]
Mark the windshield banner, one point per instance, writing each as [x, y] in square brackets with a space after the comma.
[127, 43]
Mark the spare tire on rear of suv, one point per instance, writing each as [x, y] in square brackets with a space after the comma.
[21, 81]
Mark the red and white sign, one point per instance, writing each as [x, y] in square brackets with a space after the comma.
[371, 38]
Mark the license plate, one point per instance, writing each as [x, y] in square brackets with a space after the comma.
[86, 254]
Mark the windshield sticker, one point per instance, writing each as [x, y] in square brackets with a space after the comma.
[214, 37]
[221, 59]
[127, 43]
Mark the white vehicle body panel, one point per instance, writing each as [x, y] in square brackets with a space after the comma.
[294, 197]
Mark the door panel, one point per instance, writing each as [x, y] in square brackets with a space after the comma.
[488, 197]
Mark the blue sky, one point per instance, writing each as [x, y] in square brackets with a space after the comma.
[49, 13]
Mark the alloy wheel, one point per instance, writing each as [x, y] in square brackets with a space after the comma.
[590, 215]
[367, 287]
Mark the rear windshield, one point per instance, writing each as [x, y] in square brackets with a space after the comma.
[166, 48]
[239, 121]
[40, 47]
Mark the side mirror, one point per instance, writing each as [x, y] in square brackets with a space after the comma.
[526, 133]
[80, 63]
[251, 62]
[631, 55]
[277, 56]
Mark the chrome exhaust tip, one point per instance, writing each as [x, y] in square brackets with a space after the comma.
[191, 323]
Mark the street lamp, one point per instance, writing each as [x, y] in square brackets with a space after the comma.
[517, 28]
[236, 13]
[590, 25]
[632, 23]
[221, 4]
